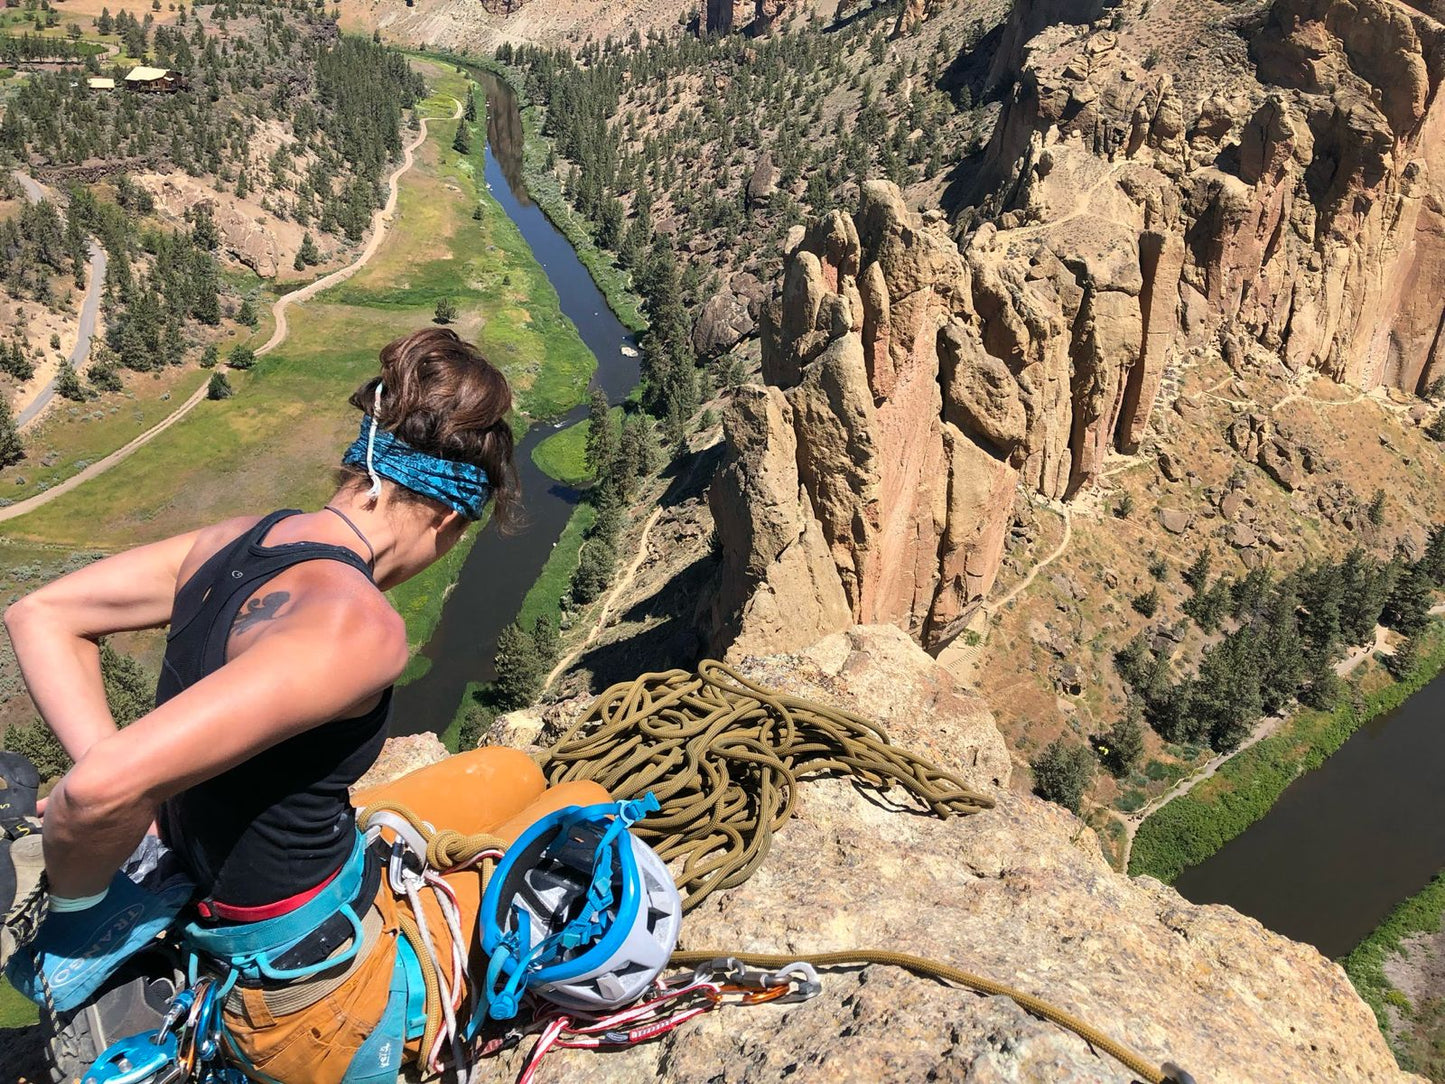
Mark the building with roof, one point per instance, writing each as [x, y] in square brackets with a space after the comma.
[98, 82]
[152, 79]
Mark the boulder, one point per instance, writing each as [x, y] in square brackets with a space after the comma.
[402, 755]
[1175, 520]
[723, 322]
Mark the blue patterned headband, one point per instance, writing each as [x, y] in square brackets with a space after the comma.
[461, 486]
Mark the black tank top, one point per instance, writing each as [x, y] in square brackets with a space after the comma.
[281, 822]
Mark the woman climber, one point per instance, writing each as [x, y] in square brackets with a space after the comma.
[273, 701]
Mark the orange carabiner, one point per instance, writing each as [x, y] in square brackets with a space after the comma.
[749, 995]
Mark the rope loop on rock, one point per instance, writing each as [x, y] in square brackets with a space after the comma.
[724, 756]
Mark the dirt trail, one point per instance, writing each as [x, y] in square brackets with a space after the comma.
[1266, 727]
[621, 585]
[380, 221]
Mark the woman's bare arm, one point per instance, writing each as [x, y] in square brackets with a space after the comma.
[54, 632]
[331, 650]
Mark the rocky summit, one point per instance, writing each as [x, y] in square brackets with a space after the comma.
[1274, 193]
[1019, 893]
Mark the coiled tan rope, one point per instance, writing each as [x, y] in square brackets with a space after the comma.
[724, 756]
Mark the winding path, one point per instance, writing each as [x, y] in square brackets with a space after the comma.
[89, 309]
[381, 219]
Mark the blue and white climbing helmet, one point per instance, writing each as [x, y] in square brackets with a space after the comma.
[580, 912]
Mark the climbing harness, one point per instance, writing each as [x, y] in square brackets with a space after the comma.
[186, 1047]
[602, 954]
[724, 757]
[420, 855]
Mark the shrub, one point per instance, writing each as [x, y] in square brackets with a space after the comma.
[446, 311]
[219, 387]
[1147, 603]
[1062, 772]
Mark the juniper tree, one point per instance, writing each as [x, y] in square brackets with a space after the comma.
[12, 448]
[601, 446]
[1062, 772]
[519, 669]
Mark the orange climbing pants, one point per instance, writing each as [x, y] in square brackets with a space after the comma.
[492, 790]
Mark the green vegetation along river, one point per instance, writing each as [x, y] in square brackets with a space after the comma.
[1346, 842]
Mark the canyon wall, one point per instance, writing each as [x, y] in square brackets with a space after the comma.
[1285, 202]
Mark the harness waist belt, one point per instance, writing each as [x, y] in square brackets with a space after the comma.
[244, 942]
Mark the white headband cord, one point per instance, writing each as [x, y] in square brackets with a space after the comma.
[375, 491]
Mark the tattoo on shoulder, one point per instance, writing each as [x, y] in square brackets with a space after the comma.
[266, 608]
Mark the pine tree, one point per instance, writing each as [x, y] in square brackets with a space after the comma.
[1376, 510]
[594, 570]
[519, 669]
[470, 114]
[219, 387]
[1407, 609]
[12, 448]
[308, 253]
[241, 357]
[462, 144]
[600, 444]
[129, 690]
[547, 639]
[1123, 744]
[1197, 574]
[1325, 689]
[210, 356]
[68, 385]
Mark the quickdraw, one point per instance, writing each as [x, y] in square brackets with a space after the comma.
[675, 1001]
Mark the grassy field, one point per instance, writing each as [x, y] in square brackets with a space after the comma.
[612, 280]
[71, 436]
[15, 1011]
[1189, 829]
[274, 444]
[563, 455]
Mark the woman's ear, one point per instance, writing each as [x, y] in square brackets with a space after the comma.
[451, 525]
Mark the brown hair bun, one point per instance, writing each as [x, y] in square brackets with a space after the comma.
[444, 398]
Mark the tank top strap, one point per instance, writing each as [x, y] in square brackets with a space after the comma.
[193, 595]
[208, 603]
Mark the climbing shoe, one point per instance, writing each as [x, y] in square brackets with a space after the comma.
[72, 953]
[20, 861]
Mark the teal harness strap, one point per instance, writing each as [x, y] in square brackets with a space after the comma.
[248, 948]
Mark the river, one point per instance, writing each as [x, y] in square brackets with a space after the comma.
[501, 568]
[1347, 842]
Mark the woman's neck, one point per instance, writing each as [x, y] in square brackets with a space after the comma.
[364, 527]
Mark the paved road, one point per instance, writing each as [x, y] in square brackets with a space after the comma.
[89, 309]
[380, 220]
[33, 192]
